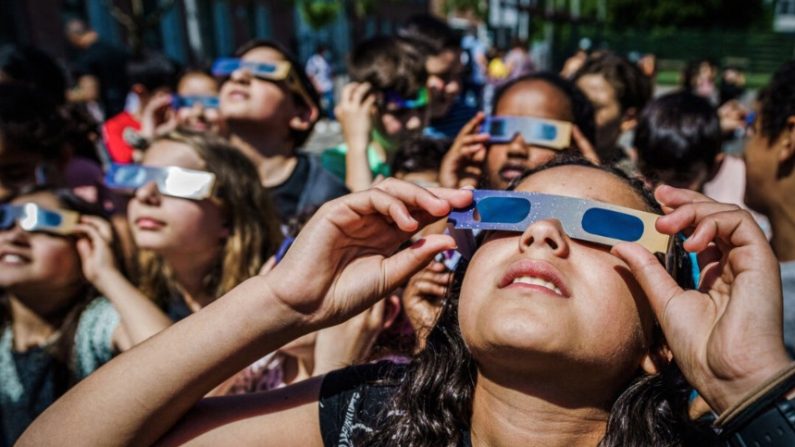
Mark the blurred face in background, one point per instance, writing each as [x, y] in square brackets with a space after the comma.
[198, 117]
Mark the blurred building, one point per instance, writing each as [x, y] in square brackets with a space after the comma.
[196, 31]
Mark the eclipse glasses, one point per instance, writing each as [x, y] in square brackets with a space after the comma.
[271, 71]
[582, 219]
[34, 218]
[170, 181]
[208, 102]
[539, 132]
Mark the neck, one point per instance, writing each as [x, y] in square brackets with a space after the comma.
[535, 414]
[189, 274]
[782, 221]
[274, 156]
[30, 327]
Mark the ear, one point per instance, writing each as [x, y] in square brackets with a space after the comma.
[629, 120]
[788, 141]
[391, 310]
[656, 359]
[305, 118]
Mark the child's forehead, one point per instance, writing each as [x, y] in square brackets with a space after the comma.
[43, 198]
[583, 182]
[263, 54]
[535, 98]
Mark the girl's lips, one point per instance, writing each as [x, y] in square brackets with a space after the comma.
[148, 223]
[13, 258]
[528, 271]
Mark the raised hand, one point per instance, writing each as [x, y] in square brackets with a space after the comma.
[463, 164]
[726, 336]
[95, 249]
[345, 258]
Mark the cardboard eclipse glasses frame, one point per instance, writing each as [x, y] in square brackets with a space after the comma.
[535, 131]
[170, 181]
[36, 218]
[582, 219]
[273, 71]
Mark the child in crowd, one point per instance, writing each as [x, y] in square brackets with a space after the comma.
[269, 118]
[441, 46]
[539, 95]
[151, 76]
[55, 328]
[618, 91]
[195, 243]
[598, 337]
[193, 107]
[678, 141]
[385, 104]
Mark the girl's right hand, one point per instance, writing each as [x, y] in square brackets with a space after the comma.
[95, 248]
[345, 258]
[462, 165]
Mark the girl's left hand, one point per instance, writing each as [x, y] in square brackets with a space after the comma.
[95, 249]
[726, 336]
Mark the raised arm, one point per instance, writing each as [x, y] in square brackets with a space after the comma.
[141, 318]
[342, 262]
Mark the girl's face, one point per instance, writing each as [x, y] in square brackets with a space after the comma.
[198, 117]
[533, 98]
[542, 303]
[39, 264]
[172, 225]
[247, 98]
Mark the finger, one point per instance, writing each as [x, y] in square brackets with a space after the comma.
[83, 249]
[428, 288]
[347, 91]
[102, 225]
[736, 228]
[709, 255]
[475, 138]
[674, 197]
[369, 101]
[584, 146]
[359, 92]
[656, 283]
[436, 201]
[402, 265]
[472, 124]
[437, 267]
[377, 201]
[690, 214]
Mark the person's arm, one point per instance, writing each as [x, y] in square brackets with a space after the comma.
[141, 318]
[138, 397]
[355, 114]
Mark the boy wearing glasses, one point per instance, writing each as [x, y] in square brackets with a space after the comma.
[385, 105]
[270, 109]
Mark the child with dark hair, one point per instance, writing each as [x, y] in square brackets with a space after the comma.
[618, 91]
[386, 103]
[441, 47]
[473, 160]
[770, 177]
[152, 77]
[269, 118]
[678, 141]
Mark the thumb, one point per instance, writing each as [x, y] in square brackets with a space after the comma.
[84, 249]
[658, 285]
[402, 265]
